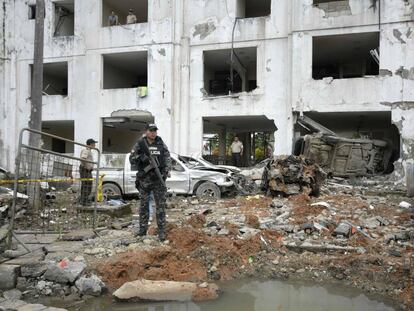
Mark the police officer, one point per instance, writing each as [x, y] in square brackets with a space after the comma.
[148, 181]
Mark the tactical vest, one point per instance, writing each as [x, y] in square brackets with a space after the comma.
[157, 151]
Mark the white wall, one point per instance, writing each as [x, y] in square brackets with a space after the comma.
[177, 33]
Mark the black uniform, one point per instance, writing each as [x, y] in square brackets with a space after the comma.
[147, 181]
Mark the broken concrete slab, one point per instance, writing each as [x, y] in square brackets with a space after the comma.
[12, 294]
[92, 285]
[165, 291]
[78, 235]
[8, 276]
[306, 246]
[34, 270]
[343, 230]
[64, 271]
[26, 259]
[12, 304]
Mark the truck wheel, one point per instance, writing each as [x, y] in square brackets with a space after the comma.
[410, 180]
[208, 189]
[111, 190]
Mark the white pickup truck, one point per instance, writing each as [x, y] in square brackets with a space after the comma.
[185, 180]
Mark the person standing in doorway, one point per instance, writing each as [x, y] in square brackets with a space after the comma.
[85, 171]
[236, 151]
[131, 17]
[113, 19]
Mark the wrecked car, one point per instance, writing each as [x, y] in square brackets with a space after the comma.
[200, 163]
[343, 157]
[243, 185]
[184, 180]
[291, 175]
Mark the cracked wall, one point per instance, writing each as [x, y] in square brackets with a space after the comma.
[175, 37]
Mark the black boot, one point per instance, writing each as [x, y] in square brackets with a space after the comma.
[141, 232]
[161, 235]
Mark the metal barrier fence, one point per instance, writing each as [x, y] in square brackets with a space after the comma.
[53, 192]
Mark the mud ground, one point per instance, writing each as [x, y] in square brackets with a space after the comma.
[263, 237]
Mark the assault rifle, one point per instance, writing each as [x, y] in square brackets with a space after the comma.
[153, 163]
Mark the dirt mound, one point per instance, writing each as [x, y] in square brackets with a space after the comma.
[192, 256]
[197, 221]
[253, 221]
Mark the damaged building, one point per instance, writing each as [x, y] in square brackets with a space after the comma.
[212, 67]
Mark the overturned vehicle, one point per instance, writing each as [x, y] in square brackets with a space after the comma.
[343, 157]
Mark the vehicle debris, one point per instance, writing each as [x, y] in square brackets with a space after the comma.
[290, 175]
[340, 156]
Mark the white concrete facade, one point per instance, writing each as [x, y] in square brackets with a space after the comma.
[175, 37]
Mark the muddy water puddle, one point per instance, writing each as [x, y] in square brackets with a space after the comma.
[255, 296]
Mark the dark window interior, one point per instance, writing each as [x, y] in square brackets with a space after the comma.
[345, 56]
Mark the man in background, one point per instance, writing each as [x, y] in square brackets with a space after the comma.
[131, 18]
[236, 151]
[113, 19]
[85, 171]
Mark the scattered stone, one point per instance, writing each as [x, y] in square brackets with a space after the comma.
[64, 272]
[147, 241]
[79, 258]
[343, 230]
[165, 291]
[324, 204]
[8, 276]
[395, 253]
[12, 294]
[79, 235]
[90, 285]
[212, 224]
[12, 304]
[252, 221]
[405, 205]
[41, 285]
[224, 231]
[21, 284]
[34, 270]
[95, 251]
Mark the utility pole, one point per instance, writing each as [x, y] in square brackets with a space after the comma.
[35, 121]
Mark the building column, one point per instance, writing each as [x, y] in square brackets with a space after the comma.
[222, 143]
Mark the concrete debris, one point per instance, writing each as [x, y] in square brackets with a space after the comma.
[91, 285]
[327, 205]
[64, 271]
[8, 276]
[78, 235]
[14, 294]
[404, 204]
[306, 246]
[20, 305]
[165, 291]
[34, 270]
[290, 175]
[245, 236]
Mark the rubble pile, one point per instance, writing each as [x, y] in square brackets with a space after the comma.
[348, 234]
[51, 278]
[290, 175]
